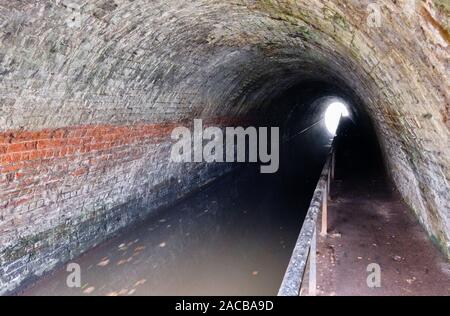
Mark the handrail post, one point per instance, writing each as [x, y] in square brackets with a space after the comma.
[333, 164]
[312, 287]
[324, 212]
[329, 184]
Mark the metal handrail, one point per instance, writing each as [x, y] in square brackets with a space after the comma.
[305, 247]
[306, 242]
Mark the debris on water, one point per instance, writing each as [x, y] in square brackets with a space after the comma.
[162, 245]
[336, 235]
[123, 292]
[397, 258]
[140, 248]
[255, 273]
[103, 263]
[89, 290]
[410, 281]
[140, 282]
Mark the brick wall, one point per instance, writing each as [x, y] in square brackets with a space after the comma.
[64, 190]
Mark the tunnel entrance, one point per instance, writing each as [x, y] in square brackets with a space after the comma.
[333, 114]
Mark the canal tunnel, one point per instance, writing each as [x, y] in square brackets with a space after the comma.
[91, 92]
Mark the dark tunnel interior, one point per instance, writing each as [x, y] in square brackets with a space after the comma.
[306, 141]
[236, 236]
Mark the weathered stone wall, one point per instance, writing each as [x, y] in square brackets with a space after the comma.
[90, 89]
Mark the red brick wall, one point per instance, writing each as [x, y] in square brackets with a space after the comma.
[22, 150]
[63, 190]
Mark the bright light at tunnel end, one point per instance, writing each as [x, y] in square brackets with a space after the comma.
[333, 114]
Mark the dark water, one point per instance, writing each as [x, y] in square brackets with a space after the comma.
[233, 238]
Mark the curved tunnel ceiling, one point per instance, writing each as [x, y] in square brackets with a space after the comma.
[72, 63]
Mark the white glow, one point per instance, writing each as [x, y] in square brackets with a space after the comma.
[333, 114]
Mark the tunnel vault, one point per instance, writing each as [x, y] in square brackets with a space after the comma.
[90, 91]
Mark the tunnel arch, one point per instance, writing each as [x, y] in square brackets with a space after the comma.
[91, 89]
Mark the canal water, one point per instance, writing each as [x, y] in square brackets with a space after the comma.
[233, 238]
